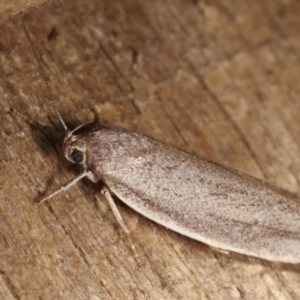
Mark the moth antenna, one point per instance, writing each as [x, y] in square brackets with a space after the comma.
[35, 52]
[80, 126]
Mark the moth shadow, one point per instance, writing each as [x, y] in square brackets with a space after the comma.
[228, 257]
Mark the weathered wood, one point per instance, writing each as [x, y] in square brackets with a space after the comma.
[9, 8]
[218, 79]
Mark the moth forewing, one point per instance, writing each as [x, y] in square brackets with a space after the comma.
[196, 197]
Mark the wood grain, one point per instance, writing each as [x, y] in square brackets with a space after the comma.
[10, 8]
[216, 78]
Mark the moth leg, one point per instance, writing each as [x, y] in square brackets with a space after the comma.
[65, 186]
[108, 195]
[106, 192]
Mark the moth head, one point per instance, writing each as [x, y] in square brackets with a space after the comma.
[74, 148]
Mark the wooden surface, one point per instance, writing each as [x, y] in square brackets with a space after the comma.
[9, 8]
[219, 79]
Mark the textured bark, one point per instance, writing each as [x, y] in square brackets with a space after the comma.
[219, 79]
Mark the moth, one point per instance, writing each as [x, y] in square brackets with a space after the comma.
[193, 196]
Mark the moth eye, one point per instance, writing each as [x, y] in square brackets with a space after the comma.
[77, 156]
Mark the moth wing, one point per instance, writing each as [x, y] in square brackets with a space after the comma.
[207, 202]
